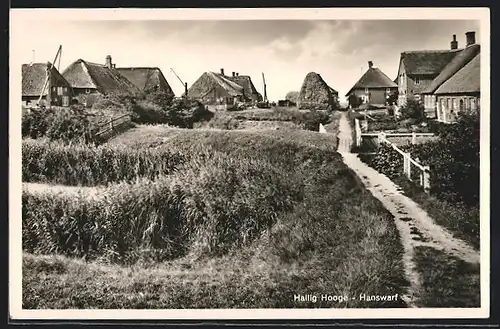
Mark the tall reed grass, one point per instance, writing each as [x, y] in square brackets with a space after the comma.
[217, 202]
[87, 165]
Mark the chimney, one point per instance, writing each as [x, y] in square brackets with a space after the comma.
[222, 71]
[234, 74]
[109, 64]
[470, 38]
[454, 43]
[370, 64]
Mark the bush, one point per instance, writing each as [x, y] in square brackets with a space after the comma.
[184, 113]
[453, 160]
[71, 124]
[160, 98]
[311, 120]
[157, 108]
[413, 109]
[55, 163]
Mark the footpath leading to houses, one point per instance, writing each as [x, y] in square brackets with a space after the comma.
[415, 226]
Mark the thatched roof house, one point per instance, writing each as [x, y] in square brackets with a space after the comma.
[217, 88]
[467, 80]
[57, 92]
[147, 79]
[457, 86]
[90, 80]
[373, 87]
[316, 94]
[457, 63]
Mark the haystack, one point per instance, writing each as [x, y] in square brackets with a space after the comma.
[315, 94]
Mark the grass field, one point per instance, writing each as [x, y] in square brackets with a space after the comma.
[447, 281]
[249, 220]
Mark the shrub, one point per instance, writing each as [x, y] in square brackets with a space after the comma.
[184, 113]
[63, 124]
[453, 160]
[160, 98]
[52, 162]
[311, 120]
[354, 101]
[413, 109]
[156, 108]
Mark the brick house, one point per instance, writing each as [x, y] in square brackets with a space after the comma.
[57, 92]
[446, 88]
[373, 87]
[461, 92]
[417, 70]
[91, 80]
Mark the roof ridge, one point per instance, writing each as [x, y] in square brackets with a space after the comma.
[138, 67]
[432, 51]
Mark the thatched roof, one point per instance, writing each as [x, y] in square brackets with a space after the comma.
[210, 81]
[34, 76]
[315, 92]
[458, 62]
[146, 78]
[466, 80]
[427, 62]
[333, 91]
[373, 78]
[248, 87]
[83, 74]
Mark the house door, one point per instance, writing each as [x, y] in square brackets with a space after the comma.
[65, 101]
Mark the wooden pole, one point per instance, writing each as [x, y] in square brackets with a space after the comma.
[407, 165]
[426, 178]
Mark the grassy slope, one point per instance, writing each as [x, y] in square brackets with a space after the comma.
[338, 241]
[447, 281]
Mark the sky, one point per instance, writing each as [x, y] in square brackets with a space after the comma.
[284, 50]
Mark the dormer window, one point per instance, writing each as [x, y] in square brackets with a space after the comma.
[417, 80]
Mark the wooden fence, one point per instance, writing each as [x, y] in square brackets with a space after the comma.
[425, 171]
[112, 125]
[359, 134]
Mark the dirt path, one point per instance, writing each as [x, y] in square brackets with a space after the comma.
[415, 226]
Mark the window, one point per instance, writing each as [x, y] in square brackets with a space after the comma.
[366, 90]
[59, 91]
[455, 104]
[467, 103]
[65, 89]
[417, 80]
[87, 91]
[461, 108]
[54, 89]
[472, 103]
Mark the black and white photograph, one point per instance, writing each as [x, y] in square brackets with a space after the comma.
[249, 163]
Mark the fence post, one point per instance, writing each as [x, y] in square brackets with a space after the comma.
[407, 165]
[413, 138]
[426, 178]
